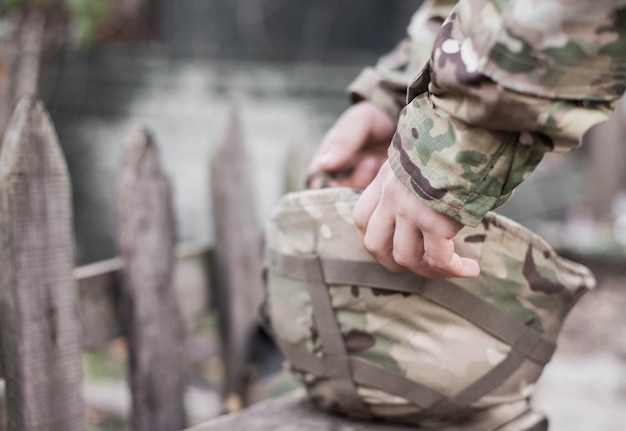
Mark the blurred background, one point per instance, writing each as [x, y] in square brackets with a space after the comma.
[177, 67]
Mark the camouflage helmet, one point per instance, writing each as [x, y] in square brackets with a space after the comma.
[396, 346]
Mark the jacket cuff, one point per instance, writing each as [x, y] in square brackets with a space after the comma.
[457, 169]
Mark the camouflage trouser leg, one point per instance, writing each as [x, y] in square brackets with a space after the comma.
[456, 354]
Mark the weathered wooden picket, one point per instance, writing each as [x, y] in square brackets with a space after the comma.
[50, 311]
[238, 256]
[38, 323]
[152, 322]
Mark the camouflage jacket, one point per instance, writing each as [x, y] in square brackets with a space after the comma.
[492, 86]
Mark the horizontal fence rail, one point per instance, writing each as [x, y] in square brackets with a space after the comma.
[99, 292]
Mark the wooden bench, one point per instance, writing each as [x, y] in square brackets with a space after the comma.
[294, 412]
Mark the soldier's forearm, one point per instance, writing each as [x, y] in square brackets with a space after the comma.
[473, 133]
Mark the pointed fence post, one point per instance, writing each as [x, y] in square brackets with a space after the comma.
[155, 330]
[40, 329]
[237, 255]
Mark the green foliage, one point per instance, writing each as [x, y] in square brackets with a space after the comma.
[6, 5]
[85, 15]
[106, 363]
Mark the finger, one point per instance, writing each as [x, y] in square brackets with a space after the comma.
[439, 255]
[361, 176]
[361, 128]
[365, 206]
[408, 250]
[343, 141]
[378, 238]
[408, 245]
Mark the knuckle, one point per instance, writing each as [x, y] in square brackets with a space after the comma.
[402, 258]
[402, 212]
[394, 268]
[371, 246]
[435, 262]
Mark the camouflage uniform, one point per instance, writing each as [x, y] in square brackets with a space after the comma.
[507, 81]
[501, 83]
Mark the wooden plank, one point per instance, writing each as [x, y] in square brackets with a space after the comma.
[40, 331]
[155, 330]
[292, 412]
[237, 268]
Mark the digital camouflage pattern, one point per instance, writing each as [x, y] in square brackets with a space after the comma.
[409, 334]
[507, 81]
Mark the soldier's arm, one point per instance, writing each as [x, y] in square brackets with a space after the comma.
[507, 82]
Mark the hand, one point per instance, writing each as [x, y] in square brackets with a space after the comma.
[404, 234]
[354, 149]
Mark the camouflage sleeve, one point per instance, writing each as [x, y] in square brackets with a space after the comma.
[508, 80]
[385, 84]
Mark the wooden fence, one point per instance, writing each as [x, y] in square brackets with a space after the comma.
[50, 311]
